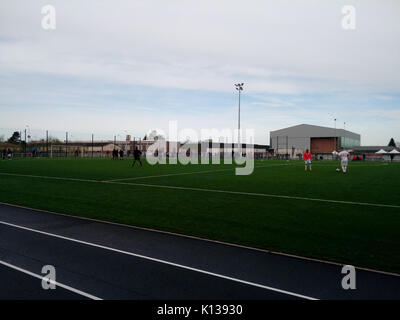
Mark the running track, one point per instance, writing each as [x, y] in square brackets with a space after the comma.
[108, 261]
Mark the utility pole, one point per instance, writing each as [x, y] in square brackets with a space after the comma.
[287, 147]
[335, 145]
[92, 144]
[47, 143]
[25, 144]
[344, 137]
[66, 144]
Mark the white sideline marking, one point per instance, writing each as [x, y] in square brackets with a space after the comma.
[352, 165]
[161, 261]
[87, 295]
[260, 194]
[186, 173]
[47, 177]
[212, 190]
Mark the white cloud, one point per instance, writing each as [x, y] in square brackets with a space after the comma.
[279, 46]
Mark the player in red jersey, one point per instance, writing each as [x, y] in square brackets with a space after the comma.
[307, 159]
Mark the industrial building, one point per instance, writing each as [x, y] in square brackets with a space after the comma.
[291, 142]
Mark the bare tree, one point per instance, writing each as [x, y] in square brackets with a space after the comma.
[154, 135]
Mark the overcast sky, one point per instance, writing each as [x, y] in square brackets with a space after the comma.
[117, 67]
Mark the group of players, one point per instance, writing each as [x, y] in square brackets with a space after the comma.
[136, 156]
[6, 154]
[343, 156]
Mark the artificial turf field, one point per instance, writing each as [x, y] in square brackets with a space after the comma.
[351, 218]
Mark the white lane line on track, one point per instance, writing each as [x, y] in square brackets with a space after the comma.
[187, 173]
[181, 235]
[277, 196]
[217, 275]
[58, 284]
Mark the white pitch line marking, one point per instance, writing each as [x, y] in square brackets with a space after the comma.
[167, 175]
[87, 295]
[217, 275]
[259, 194]
[214, 191]
[48, 177]
[186, 173]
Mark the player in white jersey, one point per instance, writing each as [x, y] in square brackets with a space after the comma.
[344, 159]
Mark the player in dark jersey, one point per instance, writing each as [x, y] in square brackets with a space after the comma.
[136, 156]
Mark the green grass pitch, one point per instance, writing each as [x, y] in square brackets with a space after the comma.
[346, 232]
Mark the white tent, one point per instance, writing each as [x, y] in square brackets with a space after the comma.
[381, 151]
[393, 155]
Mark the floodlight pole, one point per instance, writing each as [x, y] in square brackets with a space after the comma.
[239, 119]
[239, 87]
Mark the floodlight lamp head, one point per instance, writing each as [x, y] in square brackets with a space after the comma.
[239, 86]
